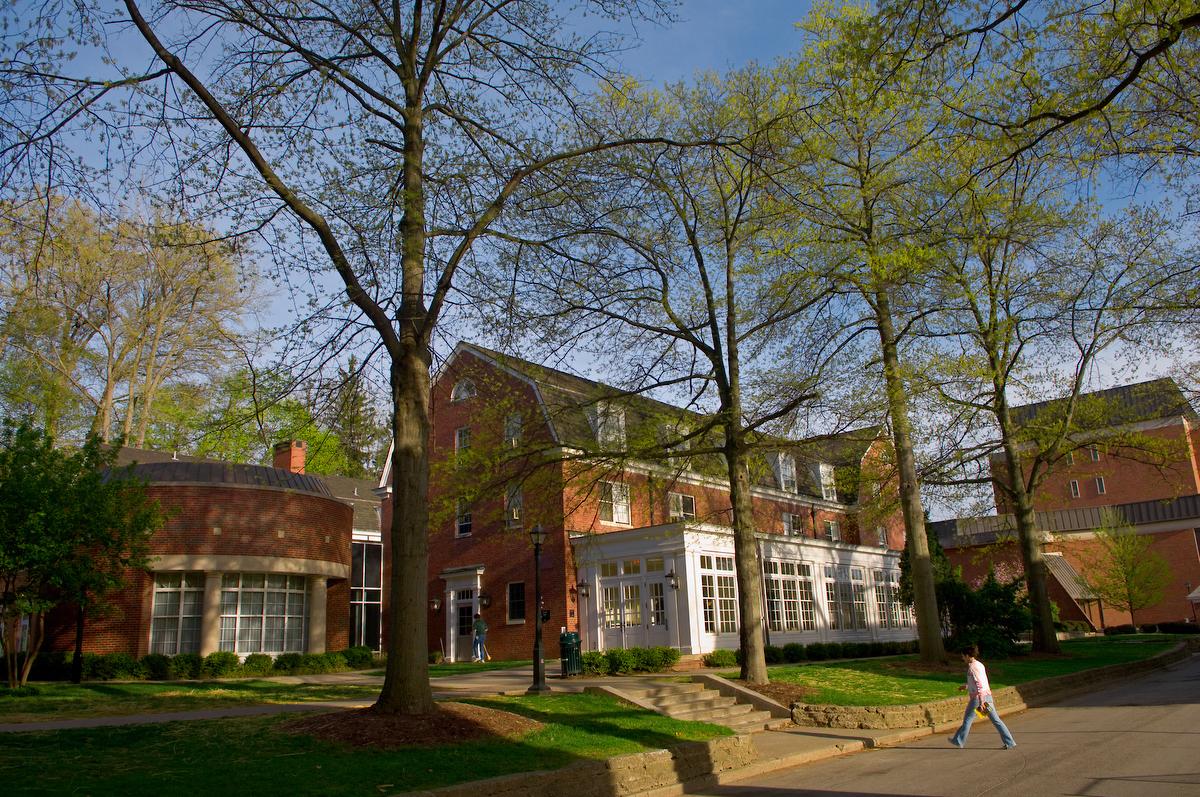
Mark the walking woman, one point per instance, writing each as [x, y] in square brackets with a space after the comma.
[980, 696]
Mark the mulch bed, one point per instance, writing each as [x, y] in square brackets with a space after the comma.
[783, 693]
[448, 723]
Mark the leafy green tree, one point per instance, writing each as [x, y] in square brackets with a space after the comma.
[71, 528]
[1126, 573]
[351, 416]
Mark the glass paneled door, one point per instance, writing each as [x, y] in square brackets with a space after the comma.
[634, 606]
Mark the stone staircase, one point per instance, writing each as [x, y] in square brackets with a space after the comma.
[694, 701]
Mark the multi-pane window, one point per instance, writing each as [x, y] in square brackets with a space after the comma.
[611, 602]
[791, 525]
[1074, 488]
[785, 472]
[846, 597]
[608, 569]
[175, 617]
[892, 613]
[462, 439]
[657, 605]
[825, 477]
[676, 448]
[718, 595]
[1100, 485]
[682, 506]
[514, 502]
[1095, 454]
[633, 604]
[464, 389]
[512, 430]
[789, 596]
[608, 423]
[262, 613]
[833, 530]
[462, 518]
[881, 536]
[516, 602]
[614, 502]
[366, 593]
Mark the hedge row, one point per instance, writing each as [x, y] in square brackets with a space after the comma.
[816, 651]
[1154, 628]
[627, 660]
[190, 666]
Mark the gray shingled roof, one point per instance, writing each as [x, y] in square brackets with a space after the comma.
[1141, 401]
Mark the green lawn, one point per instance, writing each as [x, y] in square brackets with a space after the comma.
[460, 667]
[251, 756]
[64, 700]
[898, 680]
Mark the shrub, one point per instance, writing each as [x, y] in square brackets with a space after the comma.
[793, 652]
[595, 662]
[21, 691]
[257, 664]
[621, 661]
[288, 662]
[721, 658]
[220, 664]
[436, 657]
[833, 650]
[112, 667]
[773, 654]
[668, 657]
[817, 651]
[1178, 628]
[875, 649]
[644, 659]
[359, 657]
[157, 666]
[185, 666]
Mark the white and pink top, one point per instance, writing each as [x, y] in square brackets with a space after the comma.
[977, 682]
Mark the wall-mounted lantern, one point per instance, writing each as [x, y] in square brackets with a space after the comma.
[672, 580]
[485, 600]
[435, 604]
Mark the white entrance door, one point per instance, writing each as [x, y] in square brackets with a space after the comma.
[634, 613]
[463, 619]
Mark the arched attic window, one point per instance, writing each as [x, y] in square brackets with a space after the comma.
[463, 389]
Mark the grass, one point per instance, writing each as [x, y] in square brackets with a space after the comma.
[252, 756]
[461, 667]
[66, 700]
[900, 680]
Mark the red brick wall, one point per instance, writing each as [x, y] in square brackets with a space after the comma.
[249, 519]
[1178, 547]
[1129, 475]
[337, 614]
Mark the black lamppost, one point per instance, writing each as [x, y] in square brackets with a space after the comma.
[537, 536]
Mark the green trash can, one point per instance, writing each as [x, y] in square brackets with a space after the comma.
[569, 654]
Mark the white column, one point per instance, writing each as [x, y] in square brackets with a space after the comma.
[316, 614]
[210, 619]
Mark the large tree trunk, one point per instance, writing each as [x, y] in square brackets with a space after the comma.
[406, 682]
[929, 628]
[1045, 640]
[749, 569]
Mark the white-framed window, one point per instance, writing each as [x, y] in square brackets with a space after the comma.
[792, 526]
[1074, 488]
[512, 430]
[785, 471]
[614, 502]
[833, 530]
[462, 518]
[824, 474]
[462, 439]
[881, 536]
[682, 506]
[846, 597]
[609, 569]
[608, 424]
[177, 609]
[463, 389]
[514, 506]
[263, 613]
[790, 605]
[1100, 485]
[892, 613]
[516, 602]
[631, 567]
[1070, 458]
[654, 564]
[676, 448]
[1095, 454]
[366, 593]
[718, 594]
[611, 606]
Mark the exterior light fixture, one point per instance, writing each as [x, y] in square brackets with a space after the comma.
[435, 604]
[673, 580]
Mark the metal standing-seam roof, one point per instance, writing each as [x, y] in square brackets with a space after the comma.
[1066, 575]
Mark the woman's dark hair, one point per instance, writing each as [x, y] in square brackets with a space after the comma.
[969, 650]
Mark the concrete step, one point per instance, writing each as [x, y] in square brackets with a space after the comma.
[689, 662]
[756, 721]
[690, 700]
[655, 690]
[718, 714]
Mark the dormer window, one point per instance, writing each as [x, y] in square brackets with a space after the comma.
[823, 475]
[676, 448]
[512, 430]
[608, 424]
[785, 472]
[463, 389]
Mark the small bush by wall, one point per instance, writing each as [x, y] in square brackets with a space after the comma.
[721, 658]
[257, 664]
[220, 664]
[359, 657]
[157, 666]
[185, 666]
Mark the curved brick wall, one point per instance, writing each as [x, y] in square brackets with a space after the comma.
[252, 521]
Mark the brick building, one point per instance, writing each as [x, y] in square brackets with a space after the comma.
[251, 559]
[1136, 458]
[639, 549]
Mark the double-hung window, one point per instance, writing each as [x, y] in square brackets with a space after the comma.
[791, 525]
[833, 530]
[462, 518]
[614, 502]
[513, 506]
[682, 506]
[718, 594]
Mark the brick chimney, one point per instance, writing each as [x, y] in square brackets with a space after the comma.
[289, 455]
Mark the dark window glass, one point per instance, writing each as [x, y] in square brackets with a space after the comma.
[516, 601]
[373, 568]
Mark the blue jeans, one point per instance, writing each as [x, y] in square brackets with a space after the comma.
[477, 647]
[959, 739]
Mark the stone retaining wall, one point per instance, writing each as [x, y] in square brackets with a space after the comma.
[686, 766]
[1009, 699]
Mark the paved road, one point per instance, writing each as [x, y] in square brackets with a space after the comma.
[1138, 739]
